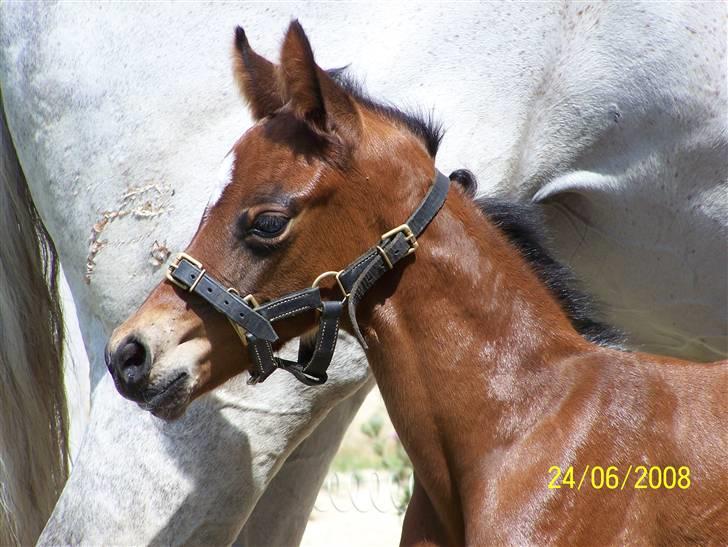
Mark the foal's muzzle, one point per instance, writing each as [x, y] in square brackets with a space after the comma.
[129, 364]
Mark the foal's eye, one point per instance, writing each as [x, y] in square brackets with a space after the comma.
[268, 225]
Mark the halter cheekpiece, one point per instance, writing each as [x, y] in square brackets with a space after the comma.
[253, 322]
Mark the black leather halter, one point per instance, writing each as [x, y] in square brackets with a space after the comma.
[254, 323]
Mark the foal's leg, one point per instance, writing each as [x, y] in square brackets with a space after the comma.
[422, 526]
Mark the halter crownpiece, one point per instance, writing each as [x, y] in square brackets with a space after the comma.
[254, 323]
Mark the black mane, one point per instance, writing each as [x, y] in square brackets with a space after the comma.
[524, 227]
[422, 124]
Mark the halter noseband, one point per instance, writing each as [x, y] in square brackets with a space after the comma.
[254, 323]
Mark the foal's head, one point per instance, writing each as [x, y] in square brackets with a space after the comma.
[318, 178]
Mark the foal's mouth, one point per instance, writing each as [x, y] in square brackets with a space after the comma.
[169, 400]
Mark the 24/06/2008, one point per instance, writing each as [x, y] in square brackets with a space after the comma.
[645, 478]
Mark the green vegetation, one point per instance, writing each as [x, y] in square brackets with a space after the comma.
[382, 452]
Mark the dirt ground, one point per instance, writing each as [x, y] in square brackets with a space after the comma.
[367, 520]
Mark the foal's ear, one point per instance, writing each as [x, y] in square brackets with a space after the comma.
[314, 96]
[257, 78]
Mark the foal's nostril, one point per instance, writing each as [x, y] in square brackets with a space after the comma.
[131, 362]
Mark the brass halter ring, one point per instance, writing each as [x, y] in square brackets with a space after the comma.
[336, 275]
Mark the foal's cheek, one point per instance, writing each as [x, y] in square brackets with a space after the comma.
[222, 366]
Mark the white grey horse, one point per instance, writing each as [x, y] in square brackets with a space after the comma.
[613, 116]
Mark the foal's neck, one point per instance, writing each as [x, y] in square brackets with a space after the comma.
[460, 343]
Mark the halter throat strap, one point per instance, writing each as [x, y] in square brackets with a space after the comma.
[254, 323]
[394, 246]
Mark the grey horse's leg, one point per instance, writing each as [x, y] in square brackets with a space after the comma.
[281, 514]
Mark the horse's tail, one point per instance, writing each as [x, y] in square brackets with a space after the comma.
[33, 418]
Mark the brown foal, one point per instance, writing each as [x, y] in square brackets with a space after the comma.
[512, 420]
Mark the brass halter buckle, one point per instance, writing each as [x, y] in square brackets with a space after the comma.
[408, 235]
[250, 301]
[175, 263]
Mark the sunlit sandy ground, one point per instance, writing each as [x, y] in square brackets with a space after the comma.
[357, 505]
[351, 517]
